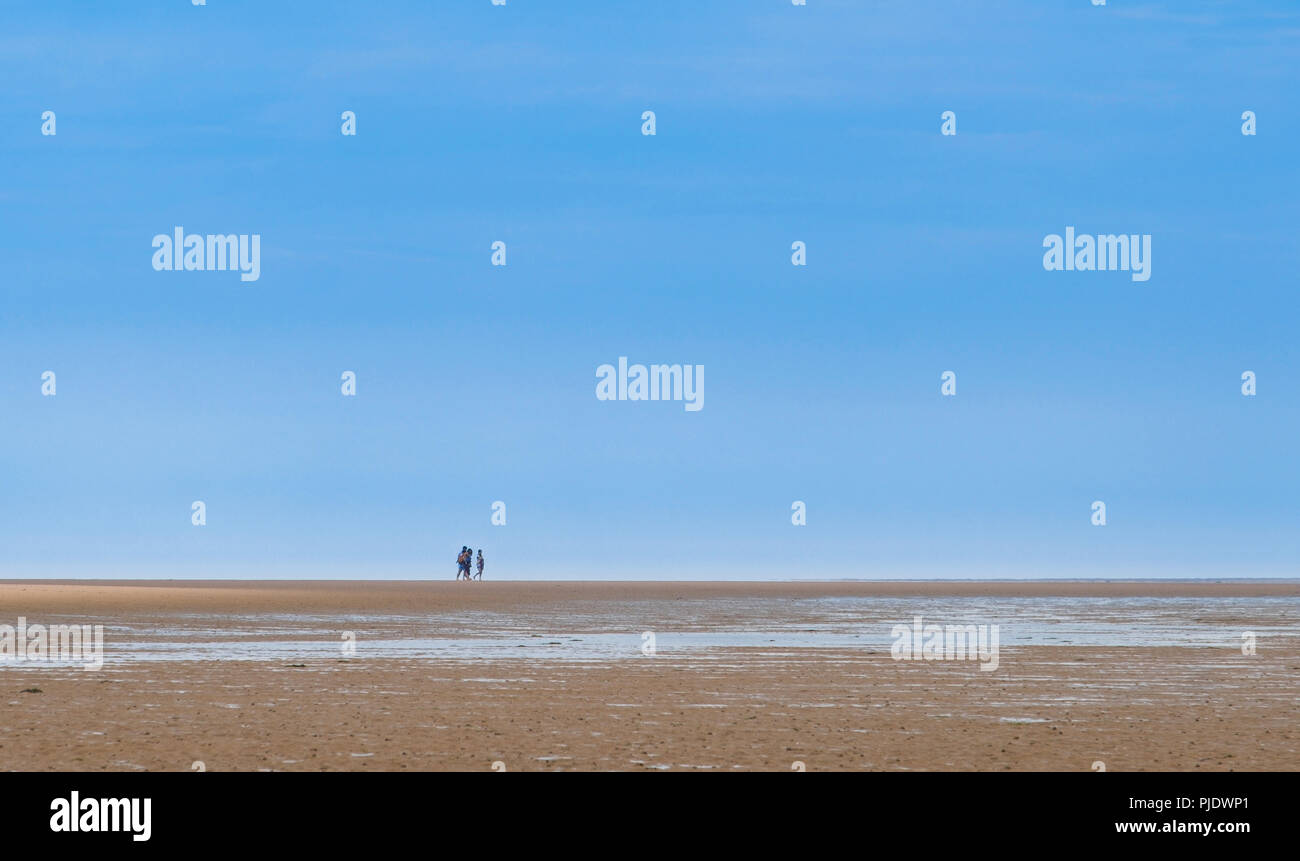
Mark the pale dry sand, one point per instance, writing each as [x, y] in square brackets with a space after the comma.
[93, 596]
[1178, 708]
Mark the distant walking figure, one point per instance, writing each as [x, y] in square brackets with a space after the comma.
[462, 563]
[480, 564]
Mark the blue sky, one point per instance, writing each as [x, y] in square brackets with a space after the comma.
[775, 123]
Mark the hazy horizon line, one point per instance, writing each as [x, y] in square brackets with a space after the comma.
[630, 580]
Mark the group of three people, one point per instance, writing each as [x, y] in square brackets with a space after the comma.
[463, 561]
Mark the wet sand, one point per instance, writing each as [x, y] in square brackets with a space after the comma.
[1061, 705]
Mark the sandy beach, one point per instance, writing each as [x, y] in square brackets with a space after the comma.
[332, 675]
